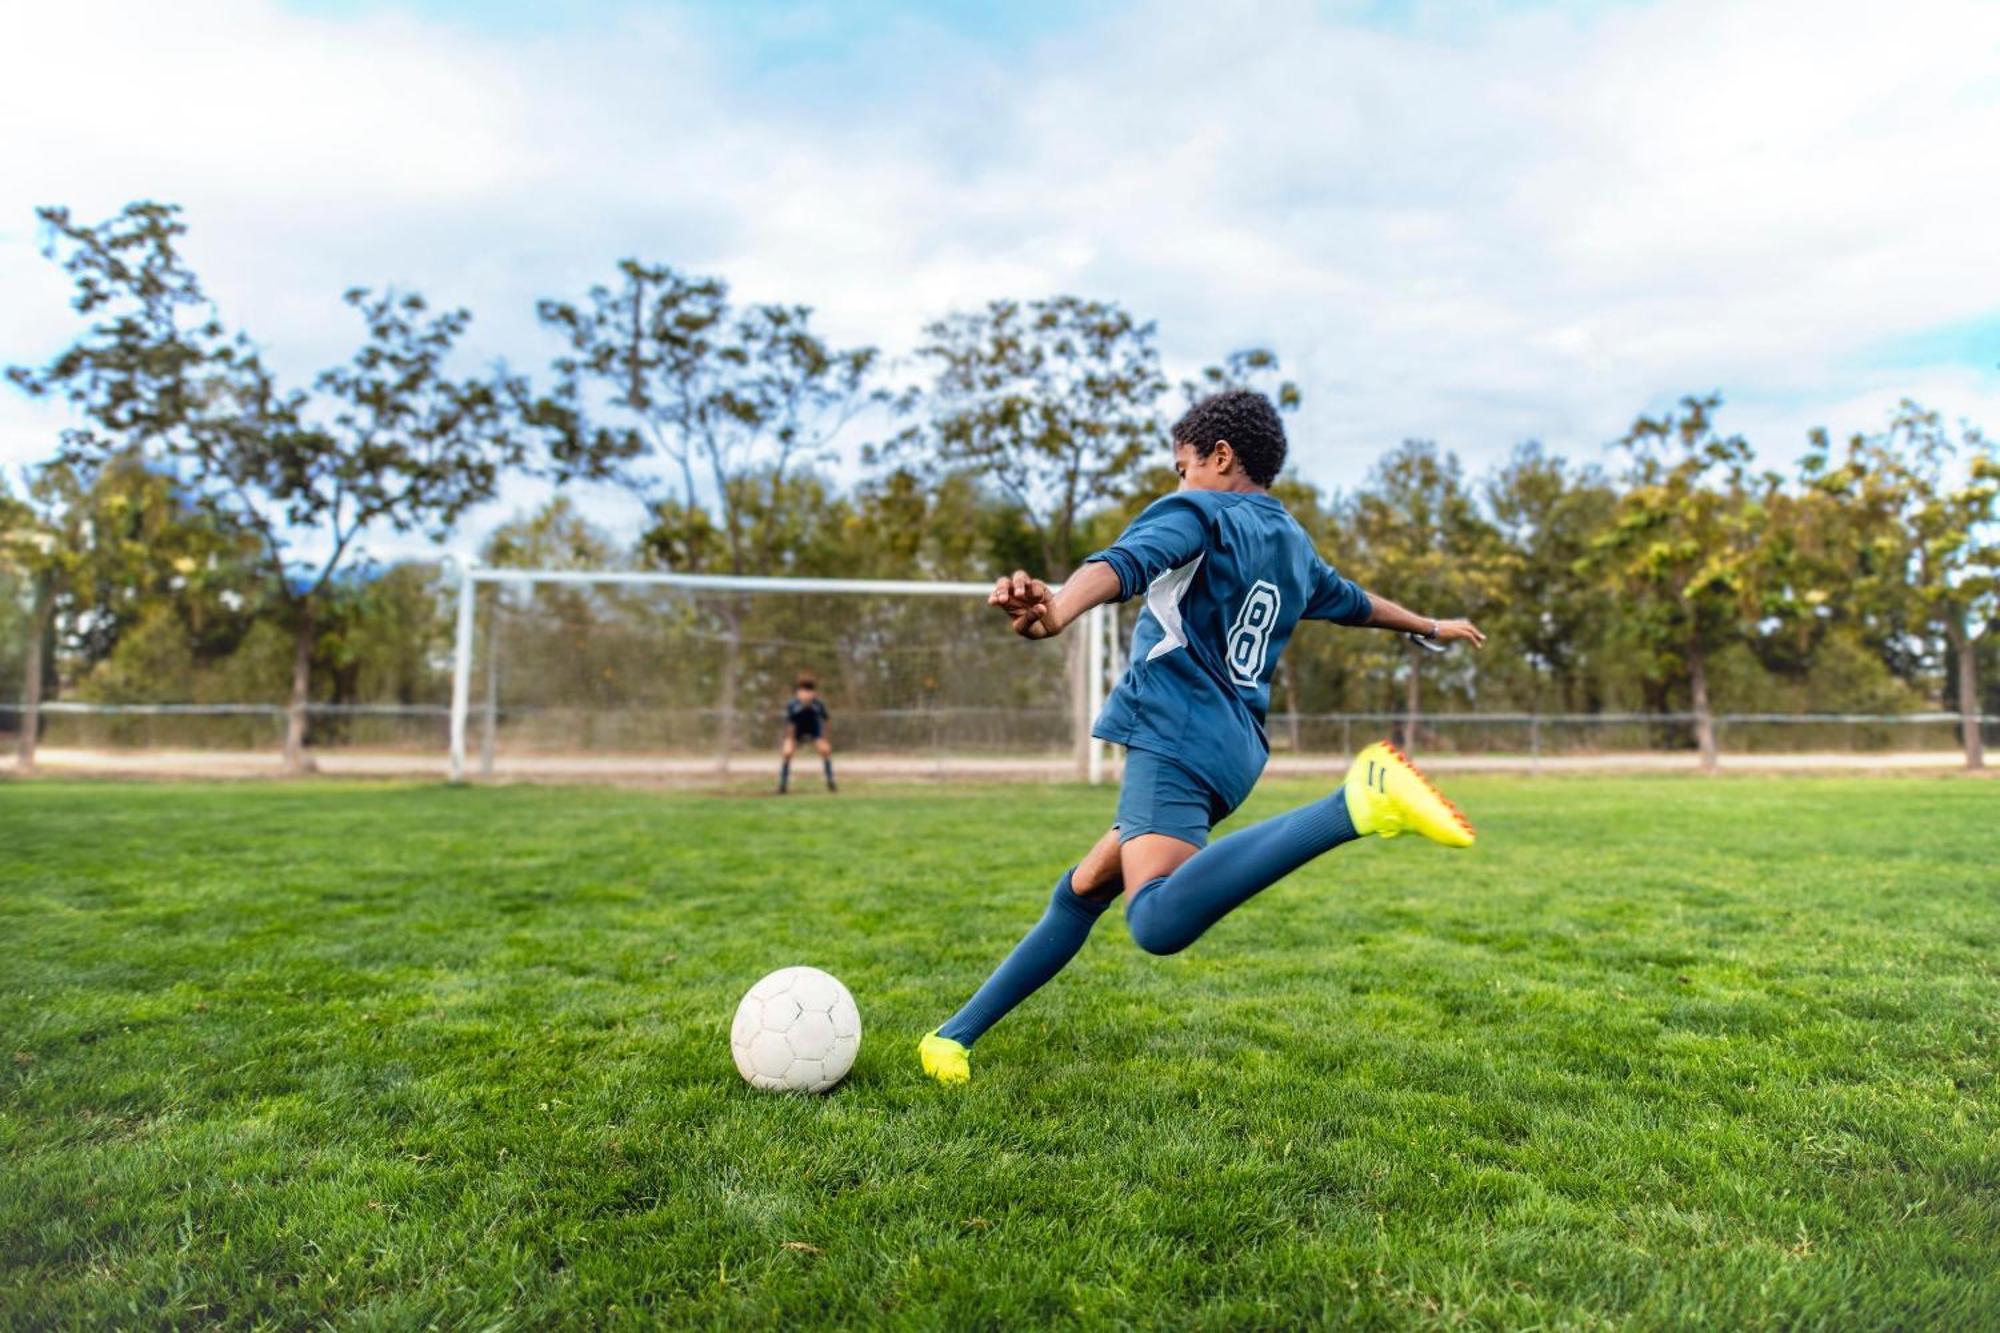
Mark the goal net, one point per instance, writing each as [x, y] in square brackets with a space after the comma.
[562, 671]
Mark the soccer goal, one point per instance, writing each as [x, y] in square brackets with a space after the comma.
[607, 672]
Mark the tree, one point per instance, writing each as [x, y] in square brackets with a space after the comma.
[387, 441]
[1246, 368]
[723, 401]
[101, 551]
[1924, 507]
[1551, 612]
[387, 637]
[1420, 539]
[689, 386]
[30, 551]
[1685, 549]
[902, 526]
[1051, 402]
[132, 375]
[16, 603]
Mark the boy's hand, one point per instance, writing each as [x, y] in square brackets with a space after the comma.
[1455, 631]
[1024, 600]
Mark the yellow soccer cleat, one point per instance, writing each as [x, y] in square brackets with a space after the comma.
[1387, 795]
[945, 1060]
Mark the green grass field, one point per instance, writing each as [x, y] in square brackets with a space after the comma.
[1658, 1053]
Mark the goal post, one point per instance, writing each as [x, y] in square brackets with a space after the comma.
[920, 675]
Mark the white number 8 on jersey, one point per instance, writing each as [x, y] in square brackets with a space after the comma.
[1250, 636]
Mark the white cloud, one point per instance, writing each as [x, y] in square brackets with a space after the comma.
[1475, 229]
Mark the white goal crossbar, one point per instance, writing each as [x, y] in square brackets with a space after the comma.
[1100, 626]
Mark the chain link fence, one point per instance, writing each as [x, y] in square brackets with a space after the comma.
[524, 740]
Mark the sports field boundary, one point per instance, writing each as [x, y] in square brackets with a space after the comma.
[701, 771]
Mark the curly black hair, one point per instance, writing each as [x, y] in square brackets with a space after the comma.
[1247, 420]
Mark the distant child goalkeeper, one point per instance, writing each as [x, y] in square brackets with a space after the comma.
[1227, 574]
[805, 720]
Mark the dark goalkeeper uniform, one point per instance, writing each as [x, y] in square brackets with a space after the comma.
[807, 721]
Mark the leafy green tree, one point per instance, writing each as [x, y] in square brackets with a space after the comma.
[555, 536]
[1549, 611]
[388, 441]
[31, 564]
[1052, 403]
[1418, 536]
[135, 375]
[1925, 504]
[1685, 551]
[16, 609]
[388, 637]
[1245, 368]
[104, 551]
[1858, 538]
[692, 394]
[722, 403]
[902, 525]
[794, 523]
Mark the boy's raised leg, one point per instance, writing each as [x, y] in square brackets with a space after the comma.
[1384, 794]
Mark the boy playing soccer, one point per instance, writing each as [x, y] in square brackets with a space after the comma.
[1227, 574]
[805, 720]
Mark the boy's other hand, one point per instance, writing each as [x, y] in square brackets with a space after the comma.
[1459, 631]
[1019, 593]
[1024, 600]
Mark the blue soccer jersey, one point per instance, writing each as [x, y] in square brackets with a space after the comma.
[1227, 576]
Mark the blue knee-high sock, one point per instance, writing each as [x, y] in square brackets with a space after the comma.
[1169, 913]
[784, 775]
[1040, 955]
[827, 764]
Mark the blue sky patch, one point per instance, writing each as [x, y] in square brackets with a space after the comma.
[1973, 342]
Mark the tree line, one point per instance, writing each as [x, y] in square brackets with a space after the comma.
[193, 536]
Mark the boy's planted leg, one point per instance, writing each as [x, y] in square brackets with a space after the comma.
[1081, 896]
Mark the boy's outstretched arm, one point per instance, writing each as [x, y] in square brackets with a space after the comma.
[1385, 614]
[1037, 612]
[1345, 602]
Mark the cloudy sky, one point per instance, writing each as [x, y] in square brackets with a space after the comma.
[1473, 222]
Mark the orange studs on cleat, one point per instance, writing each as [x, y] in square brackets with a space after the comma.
[1425, 778]
[1389, 795]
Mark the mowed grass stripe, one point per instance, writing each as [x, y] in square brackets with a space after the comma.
[1657, 1052]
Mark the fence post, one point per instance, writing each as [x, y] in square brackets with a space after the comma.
[461, 672]
[1535, 743]
[1095, 642]
[489, 722]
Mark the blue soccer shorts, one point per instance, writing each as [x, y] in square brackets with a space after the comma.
[1162, 795]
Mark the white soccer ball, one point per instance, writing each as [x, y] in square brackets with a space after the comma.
[798, 1030]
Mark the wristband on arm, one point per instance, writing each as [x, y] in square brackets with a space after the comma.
[1428, 642]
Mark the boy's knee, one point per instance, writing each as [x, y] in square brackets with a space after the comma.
[1099, 896]
[1090, 905]
[1155, 942]
[1151, 928]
